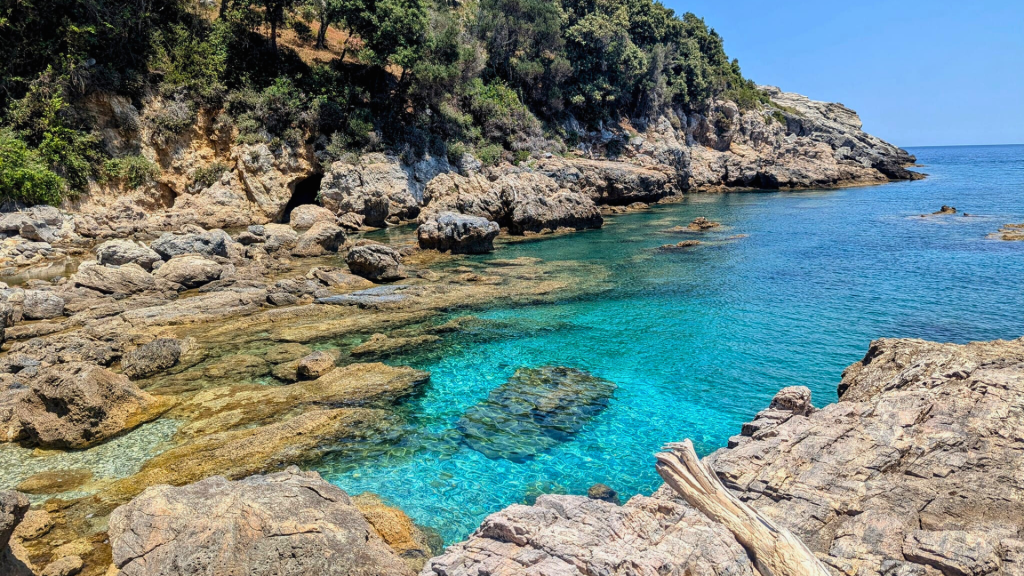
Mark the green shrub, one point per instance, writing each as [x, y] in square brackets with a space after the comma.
[25, 175]
[175, 117]
[521, 156]
[455, 151]
[489, 155]
[209, 175]
[497, 108]
[303, 31]
[135, 171]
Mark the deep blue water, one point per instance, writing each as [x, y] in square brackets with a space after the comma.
[698, 341]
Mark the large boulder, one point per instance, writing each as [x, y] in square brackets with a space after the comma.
[78, 405]
[120, 281]
[211, 243]
[535, 410]
[321, 238]
[38, 223]
[118, 252]
[290, 522]
[304, 216]
[41, 305]
[458, 234]
[190, 270]
[375, 262]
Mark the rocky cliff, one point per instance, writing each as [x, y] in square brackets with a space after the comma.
[915, 471]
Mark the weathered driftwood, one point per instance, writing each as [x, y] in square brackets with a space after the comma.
[775, 551]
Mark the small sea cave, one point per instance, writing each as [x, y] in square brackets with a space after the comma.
[307, 191]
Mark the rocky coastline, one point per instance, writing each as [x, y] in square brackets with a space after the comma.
[160, 345]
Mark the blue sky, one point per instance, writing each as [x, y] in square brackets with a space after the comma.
[919, 73]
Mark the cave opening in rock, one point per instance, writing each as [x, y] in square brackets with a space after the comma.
[306, 192]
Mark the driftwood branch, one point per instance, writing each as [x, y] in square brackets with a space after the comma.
[775, 550]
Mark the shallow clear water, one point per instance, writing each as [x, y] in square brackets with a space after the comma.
[700, 340]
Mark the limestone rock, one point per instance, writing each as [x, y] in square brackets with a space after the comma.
[457, 233]
[339, 278]
[66, 566]
[119, 281]
[378, 187]
[304, 216]
[382, 345]
[42, 305]
[701, 224]
[190, 270]
[375, 262]
[321, 238]
[315, 365]
[574, 535]
[118, 252]
[151, 358]
[79, 405]
[290, 522]
[13, 506]
[211, 243]
[906, 456]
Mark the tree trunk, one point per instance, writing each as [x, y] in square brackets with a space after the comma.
[344, 48]
[273, 34]
[321, 35]
[775, 550]
[223, 8]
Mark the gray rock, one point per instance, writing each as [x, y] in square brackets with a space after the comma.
[151, 358]
[211, 243]
[79, 405]
[42, 305]
[378, 187]
[120, 281]
[369, 298]
[458, 234]
[375, 262]
[190, 270]
[290, 522]
[13, 506]
[118, 252]
[6, 320]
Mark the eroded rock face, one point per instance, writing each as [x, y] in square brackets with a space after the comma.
[78, 405]
[290, 522]
[899, 474]
[13, 506]
[119, 281]
[379, 188]
[375, 262]
[321, 238]
[575, 536]
[458, 234]
[536, 409]
[304, 216]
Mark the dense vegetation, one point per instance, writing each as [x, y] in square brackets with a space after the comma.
[500, 78]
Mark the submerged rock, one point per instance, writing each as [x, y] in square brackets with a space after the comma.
[382, 345]
[603, 492]
[679, 246]
[290, 522]
[458, 234]
[535, 410]
[701, 223]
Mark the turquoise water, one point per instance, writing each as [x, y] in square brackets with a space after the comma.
[700, 340]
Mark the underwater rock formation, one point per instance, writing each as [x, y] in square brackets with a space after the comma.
[535, 410]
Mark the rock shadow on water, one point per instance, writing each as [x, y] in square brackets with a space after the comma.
[537, 409]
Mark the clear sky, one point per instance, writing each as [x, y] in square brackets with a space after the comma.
[918, 72]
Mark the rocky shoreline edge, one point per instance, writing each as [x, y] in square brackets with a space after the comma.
[914, 471]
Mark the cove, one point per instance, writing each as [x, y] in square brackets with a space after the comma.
[696, 341]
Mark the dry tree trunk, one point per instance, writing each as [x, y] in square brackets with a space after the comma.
[775, 551]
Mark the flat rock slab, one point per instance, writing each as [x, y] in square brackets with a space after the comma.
[369, 297]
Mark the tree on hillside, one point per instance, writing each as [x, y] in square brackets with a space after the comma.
[333, 12]
[273, 13]
[392, 31]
